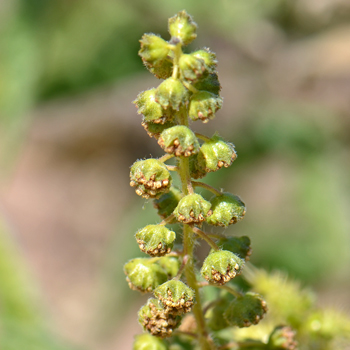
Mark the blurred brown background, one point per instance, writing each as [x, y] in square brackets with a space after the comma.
[69, 133]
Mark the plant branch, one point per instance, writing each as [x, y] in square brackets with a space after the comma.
[207, 187]
[182, 268]
[202, 137]
[240, 345]
[204, 236]
[210, 305]
[188, 247]
[177, 54]
[190, 334]
[192, 283]
[175, 254]
[172, 167]
[167, 220]
[231, 290]
[165, 157]
[216, 235]
[189, 86]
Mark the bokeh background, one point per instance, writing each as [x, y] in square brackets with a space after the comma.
[69, 133]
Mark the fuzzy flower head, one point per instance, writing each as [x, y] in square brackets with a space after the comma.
[221, 266]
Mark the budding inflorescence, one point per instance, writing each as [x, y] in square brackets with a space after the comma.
[189, 92]
[221, 266]
[155, 240]
[150, 177]
[246, 310]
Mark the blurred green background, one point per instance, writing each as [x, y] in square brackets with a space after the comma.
[68, 134]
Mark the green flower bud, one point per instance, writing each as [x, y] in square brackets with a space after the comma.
[203, 106]
[191, 67]
[282, 338]
[209, 83]
[143, 275]
[148, 342]
[227, 209]
[155, 240]
[170, 265]
[154, 129]
[246, 310]
[179, 140]
[192, 208]
[156, 320]
[152, 111]
[150, 178]
[156, 55]
[172, 93]
[182, 27]
[167, 202]
[240, 246]
[208, 57]
[221, 266]
[176, 297]
[215, 154]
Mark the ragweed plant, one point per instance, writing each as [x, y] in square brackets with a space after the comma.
[190, 91]
[177, 316]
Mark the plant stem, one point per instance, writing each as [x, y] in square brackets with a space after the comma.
[204, 236]
[242, 345]
[184, 163]
[231, 290]
[250, 272]
[153, 260]
[184, 173]
[189, 86]
[167, 220]
[202, 137]
[207, 187]
[188, 242]
[190, 334]
[175, 253]
[172, 167]
[165, 157]
[210, 305]
[216, 235]
[234, 292]
[177, 53]
[182, 268]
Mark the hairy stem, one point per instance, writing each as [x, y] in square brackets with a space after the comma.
[184, 163]
[177, 53]
[192, 283]
[182, 268]
[165, 157]
[172, 167]
[188, 239]
[190, 334]
[204, 236]
[167, 220]
[229, 289]
[247, 344]
[207, 187]
[189, 86]
[188, 244]
[216, 235]
[202, 137]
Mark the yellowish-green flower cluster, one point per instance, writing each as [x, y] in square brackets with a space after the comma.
[177, 317]
[189, 92]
